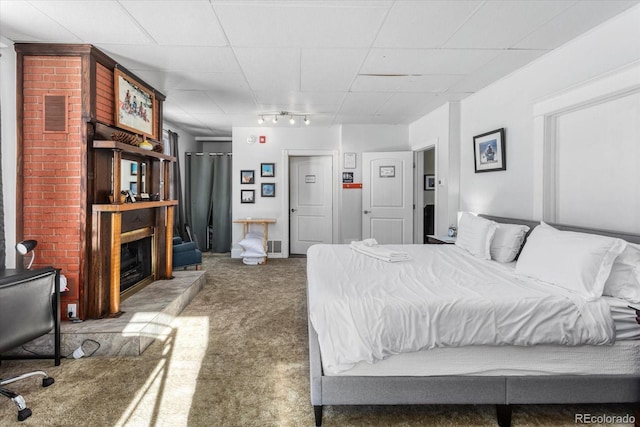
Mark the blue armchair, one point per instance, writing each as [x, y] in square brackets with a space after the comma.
[186, 254]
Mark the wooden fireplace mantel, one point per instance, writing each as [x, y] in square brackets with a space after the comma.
[123, 207]
[114, 225]
[117, 223]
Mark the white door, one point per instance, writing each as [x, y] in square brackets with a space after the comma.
[310, 202]
[387, 197]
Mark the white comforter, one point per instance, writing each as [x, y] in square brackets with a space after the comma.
[364, 309]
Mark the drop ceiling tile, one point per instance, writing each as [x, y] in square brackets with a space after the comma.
[504, 64]
[410, 105]
[192, 101]
[270, 68]
[21, 22]
[425, 83]
[330, 69]
[301, 23]
[423, 24]
[573, 21]
[234, 102]
[227, 82]
[181, 23]
[365, 119]
[173, 58]
[95, 21]
[501, 24]
[363, 103]
[426, 61]
[298, 98]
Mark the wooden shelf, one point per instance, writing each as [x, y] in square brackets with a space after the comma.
[123, 207]
[113, 145]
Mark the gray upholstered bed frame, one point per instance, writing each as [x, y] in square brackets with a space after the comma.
[502, 391]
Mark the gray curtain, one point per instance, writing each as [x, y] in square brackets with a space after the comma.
[179, 219]
[208, 200]
[220, 218]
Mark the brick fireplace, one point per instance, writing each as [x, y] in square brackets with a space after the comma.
[69, 165]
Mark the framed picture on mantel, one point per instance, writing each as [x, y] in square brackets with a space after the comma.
[135, 105]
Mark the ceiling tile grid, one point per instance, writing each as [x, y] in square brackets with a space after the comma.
[221, 63]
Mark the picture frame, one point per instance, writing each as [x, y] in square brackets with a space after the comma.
[489, 151]
[134, 169]
[268, 170]
[349, 160]
[268, 189]
[133, 187]
[247, 177]
[135, 108]
[429, 182]
[247, 196]
[387, 171]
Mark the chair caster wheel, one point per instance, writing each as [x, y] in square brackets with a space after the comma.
[46, 382]
[24, 414]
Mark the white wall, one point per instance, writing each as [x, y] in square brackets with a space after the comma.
[509, 103]
[358, 139]
[590, 167]
[345, 139]
[8, 146]
[249, 156]
[440, 129]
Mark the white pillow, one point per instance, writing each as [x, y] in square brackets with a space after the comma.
[475, 235]
[578, 262]
[253, 247]
[624, 280]
[507, 241]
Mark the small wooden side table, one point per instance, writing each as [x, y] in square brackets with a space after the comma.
[246, 223]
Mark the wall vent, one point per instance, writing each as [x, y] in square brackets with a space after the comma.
[274, 246]
[55, 113]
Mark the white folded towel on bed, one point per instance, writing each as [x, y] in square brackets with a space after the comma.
[371, 248]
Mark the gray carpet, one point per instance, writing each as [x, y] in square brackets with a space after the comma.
[237, 356]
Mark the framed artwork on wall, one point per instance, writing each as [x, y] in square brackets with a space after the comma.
[267, 170]
[247, 177]
[135, 105]
[429, 182]
[268, 189]
[489, 151]
[247, 196]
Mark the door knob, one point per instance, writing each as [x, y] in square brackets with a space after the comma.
[293, 210]
[367, 212]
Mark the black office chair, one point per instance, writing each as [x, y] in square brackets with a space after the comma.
[26, 312]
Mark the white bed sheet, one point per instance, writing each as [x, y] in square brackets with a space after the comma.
[366, 310]
[622, 358]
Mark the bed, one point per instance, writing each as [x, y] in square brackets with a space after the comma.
[350, 365]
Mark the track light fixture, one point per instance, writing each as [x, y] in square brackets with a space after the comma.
[292, 117]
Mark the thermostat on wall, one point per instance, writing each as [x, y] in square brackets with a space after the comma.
[251, 139]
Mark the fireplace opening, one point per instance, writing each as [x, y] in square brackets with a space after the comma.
[135, 263]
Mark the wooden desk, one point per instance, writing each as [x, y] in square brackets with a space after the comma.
[246, 223]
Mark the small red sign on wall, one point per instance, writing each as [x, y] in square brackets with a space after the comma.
[352, 185]
[263, 139]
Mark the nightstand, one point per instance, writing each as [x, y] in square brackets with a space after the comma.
[432, 239]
